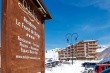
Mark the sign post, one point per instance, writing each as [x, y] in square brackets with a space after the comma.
[23, 46]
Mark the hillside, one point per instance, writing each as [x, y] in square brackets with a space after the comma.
[104, 54]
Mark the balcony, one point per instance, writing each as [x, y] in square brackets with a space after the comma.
[80, 55]
[94, 47]
[92, 53]
[80, 48]
[81, 51]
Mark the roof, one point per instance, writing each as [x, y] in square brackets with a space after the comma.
[86, 41]
[39, 3]
[89, 40]
[104, 64]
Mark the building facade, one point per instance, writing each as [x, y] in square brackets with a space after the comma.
[62, 54]
[81, 50]
[86, 49]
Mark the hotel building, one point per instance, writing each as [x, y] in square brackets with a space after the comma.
[81, 50]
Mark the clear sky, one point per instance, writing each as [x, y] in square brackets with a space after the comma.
[89, 18]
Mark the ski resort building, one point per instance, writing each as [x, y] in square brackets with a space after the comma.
[82, 50]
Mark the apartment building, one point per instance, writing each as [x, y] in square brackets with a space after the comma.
[81, 50]
[86, 49]
[62, 54]
[67, 53]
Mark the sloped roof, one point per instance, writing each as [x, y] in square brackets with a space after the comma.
[43, 7]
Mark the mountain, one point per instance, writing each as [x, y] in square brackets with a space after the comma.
[52, 54]
[101, 48]
[104, 54]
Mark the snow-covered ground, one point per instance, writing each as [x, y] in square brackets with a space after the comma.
[65, 68]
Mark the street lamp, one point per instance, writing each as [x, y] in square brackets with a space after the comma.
[69, 37]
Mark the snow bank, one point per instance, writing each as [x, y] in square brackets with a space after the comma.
[65, 68]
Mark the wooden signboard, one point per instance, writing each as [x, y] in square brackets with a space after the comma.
[23, 36]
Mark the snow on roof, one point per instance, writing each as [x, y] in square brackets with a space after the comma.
[89, 40]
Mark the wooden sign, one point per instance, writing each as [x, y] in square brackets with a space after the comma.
[23, 36]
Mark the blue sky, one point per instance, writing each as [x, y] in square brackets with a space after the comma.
[89, 18]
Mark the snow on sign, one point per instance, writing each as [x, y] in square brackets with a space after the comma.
[23, 36]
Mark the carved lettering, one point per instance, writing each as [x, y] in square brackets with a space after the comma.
[27, 9]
